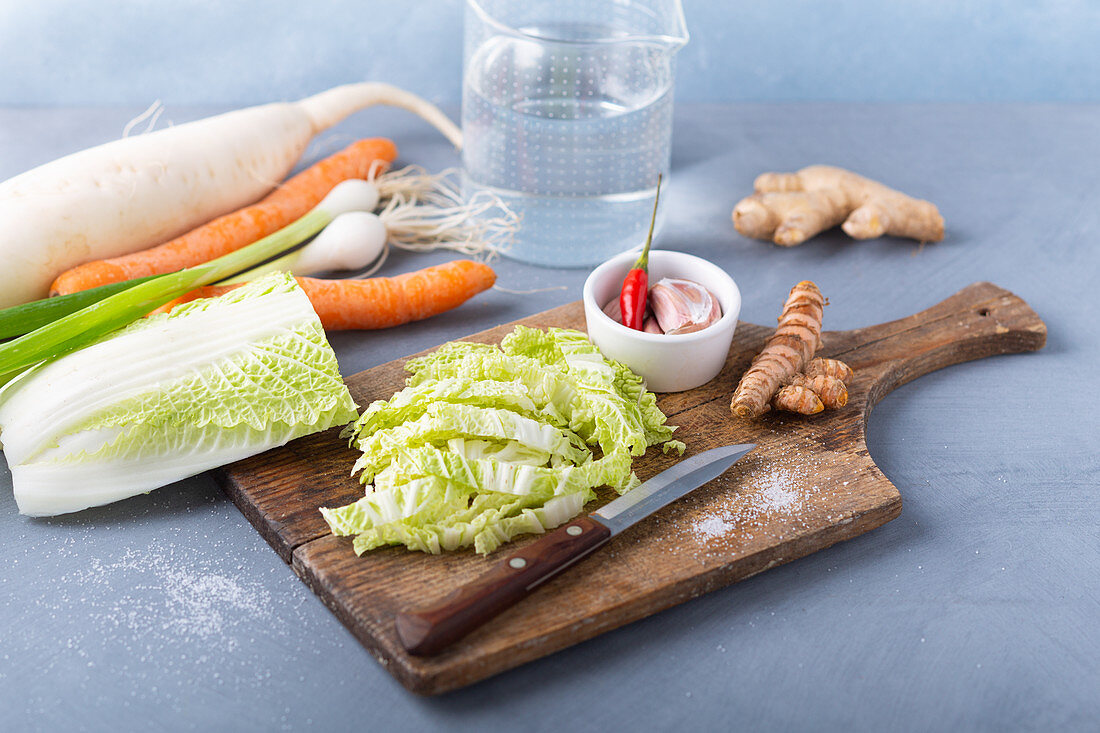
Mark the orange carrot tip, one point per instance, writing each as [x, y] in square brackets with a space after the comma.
[384, 302]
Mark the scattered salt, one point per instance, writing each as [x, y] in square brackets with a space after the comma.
[712, 526]
[178, 600]
[771, 494]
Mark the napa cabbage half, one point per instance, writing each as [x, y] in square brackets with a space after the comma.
[170, 396]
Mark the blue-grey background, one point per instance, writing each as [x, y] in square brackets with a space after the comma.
[246, 51]
[976, 609]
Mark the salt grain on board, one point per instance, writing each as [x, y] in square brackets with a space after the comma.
[712, 526]
[762, 495]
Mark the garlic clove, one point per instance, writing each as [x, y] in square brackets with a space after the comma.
[615, 313]
[683, 306]
[613, 310]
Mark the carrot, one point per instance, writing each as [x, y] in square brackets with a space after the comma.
[286, 204]
[382, 302]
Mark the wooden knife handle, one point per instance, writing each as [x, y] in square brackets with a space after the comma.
[430, 630]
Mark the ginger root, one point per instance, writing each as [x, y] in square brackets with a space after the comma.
[785, 352]
[789, 208]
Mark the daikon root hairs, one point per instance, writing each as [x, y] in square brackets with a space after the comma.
[153, 113]
[789, 208]
[785, 353]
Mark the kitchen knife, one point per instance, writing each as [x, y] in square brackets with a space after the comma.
[430, 630]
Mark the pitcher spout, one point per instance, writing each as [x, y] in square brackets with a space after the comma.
[675, 36]
[656, 23]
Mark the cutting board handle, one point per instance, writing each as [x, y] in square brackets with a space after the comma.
[978, 321]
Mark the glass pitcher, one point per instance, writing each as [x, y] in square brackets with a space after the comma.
[567, 116]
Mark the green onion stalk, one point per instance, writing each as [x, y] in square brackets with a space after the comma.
[81, 323]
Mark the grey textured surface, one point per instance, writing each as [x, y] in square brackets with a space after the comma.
[976, 609]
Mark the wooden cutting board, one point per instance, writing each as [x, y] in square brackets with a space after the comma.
[809, 484]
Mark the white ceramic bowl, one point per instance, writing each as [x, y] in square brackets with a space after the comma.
[668, 363]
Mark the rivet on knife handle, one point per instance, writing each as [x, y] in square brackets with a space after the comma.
[430, 630]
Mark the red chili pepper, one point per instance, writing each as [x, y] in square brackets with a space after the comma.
[632, 298]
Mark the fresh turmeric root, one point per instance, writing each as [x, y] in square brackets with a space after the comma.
[829, 368]
[785, 353]
[796, 398]
[789, 208]
[805, 385]
[831, 391]
[810, 395]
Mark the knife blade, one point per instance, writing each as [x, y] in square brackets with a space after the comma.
[429, 630]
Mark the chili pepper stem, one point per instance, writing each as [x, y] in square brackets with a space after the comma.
[642, 262]
[635, 291]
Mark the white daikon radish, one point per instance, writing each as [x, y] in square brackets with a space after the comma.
[139, 191]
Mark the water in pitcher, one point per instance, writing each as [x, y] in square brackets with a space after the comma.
[571, 135]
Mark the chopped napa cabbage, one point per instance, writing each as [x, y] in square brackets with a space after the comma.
[486, 530]
[442, 420]
[490, 475]
[172, 395]
[411, 403]
[487, 443]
